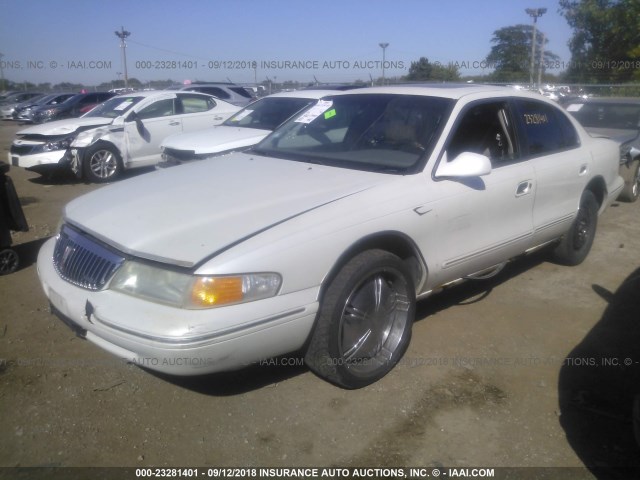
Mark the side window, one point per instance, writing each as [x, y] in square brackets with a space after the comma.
[542, 128]
[89, 99]
[487, 129]
[161, 108]
[196, 103]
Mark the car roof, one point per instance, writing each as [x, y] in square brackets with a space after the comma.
[447, 90]
[304, 94]
[153, 93]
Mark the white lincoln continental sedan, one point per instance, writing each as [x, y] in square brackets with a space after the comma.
[322, 237]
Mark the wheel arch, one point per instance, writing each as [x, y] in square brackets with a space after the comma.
[598, 187]
[397, 243]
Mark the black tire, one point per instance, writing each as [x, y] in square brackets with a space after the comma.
[631, 175]
[364, 323]
[576, 243]
[9, 261]
[102, 163]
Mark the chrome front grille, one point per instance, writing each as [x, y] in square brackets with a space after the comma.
[82, 261]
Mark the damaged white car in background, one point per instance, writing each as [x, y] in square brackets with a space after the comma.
[123, 132]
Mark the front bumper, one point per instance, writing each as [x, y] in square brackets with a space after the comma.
[37, 160]
[178, 341]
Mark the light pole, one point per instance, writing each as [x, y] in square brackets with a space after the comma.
[1, 74]
[541, 62]
[534, 13]
[384, 46]
[122, 35]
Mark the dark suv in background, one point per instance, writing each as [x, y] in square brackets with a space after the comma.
[73, 107]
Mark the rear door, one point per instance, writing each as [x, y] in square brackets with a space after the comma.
[202, 111]
[551, 144]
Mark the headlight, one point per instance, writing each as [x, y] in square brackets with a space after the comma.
[193, 291]
[59, 144]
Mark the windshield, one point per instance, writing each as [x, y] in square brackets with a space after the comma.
[607, 115]
[375, 132]
[114, 107]
[268, 113]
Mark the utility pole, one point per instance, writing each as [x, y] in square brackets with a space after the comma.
[534, 13]
[541, 62]
[2, 86]
[122, 35]
[384, 49]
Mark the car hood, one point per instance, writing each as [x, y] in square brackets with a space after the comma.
[215, 139]
[187, 214]
[619, 135]
[64, 127]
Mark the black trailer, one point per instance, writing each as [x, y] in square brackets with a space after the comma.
[11, 219]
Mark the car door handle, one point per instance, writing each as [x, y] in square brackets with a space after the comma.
[174, 123]
[524, 188]
[583, 170]
[218, 118]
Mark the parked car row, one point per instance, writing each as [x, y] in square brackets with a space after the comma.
[322, 236]
[123, 132]
[8, 105]
[25, 111]
[33, 107]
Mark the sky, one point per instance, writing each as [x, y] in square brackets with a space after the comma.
[329, 41]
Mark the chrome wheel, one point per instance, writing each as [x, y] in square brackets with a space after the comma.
[364, 322]
[103, 164]
[373, 321]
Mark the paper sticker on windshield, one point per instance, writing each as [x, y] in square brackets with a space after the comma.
[241, 115]
[329, 114]
[124, 104]
[575, 107]
[315, 111]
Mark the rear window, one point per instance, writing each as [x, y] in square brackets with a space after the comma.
[241, 91]
[545, 128]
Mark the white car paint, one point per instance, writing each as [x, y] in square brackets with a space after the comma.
[137, 145]
[228, 137]
[27, 148]
[301, 218]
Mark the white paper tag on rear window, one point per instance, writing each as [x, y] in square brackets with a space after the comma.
[123, 105]
[240, 115]
[575, 107]
[315, 111]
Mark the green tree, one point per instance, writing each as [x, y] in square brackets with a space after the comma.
[423, 69]
[605, 46]
[510, 55]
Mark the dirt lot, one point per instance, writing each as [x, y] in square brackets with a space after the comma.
[534, 368]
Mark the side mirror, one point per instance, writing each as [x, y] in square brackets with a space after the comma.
[467, 164]
[133, 116]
